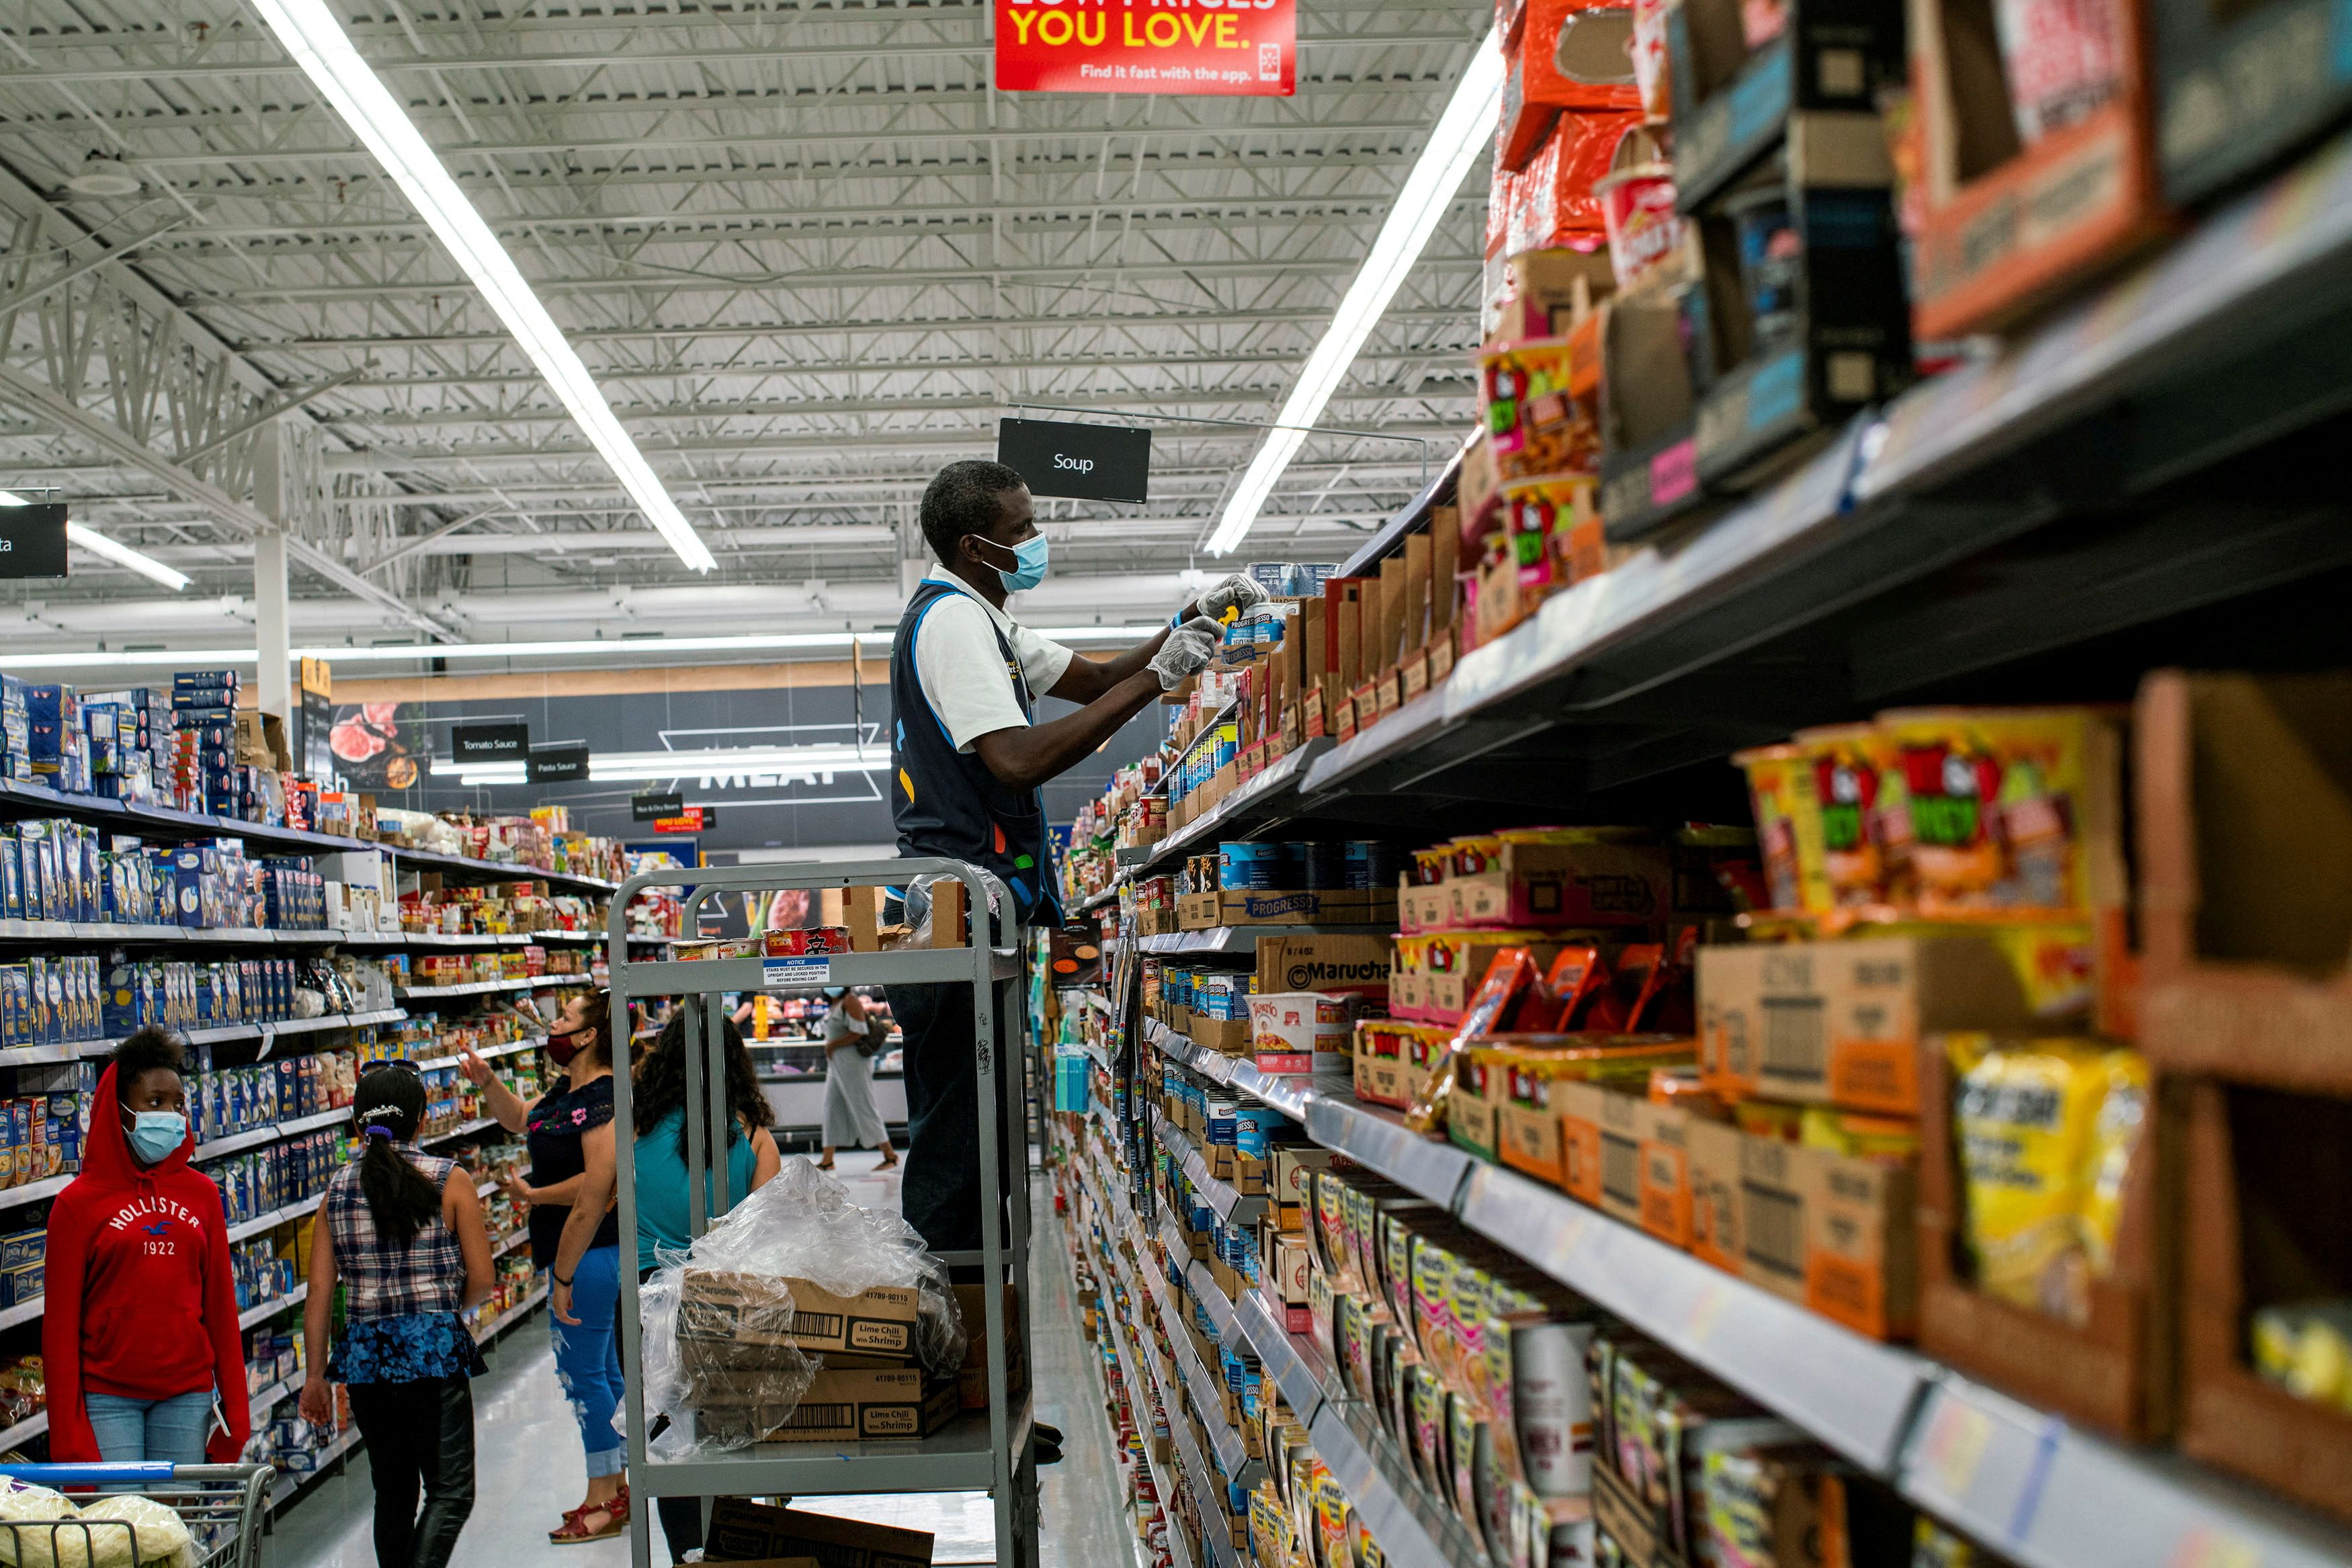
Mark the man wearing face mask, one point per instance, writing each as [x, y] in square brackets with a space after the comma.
[968, 756]
[139, 1338]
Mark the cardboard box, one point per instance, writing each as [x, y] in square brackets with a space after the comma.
[2244, 840]
[1773, 1189]
[1527, 1128]
[1379, 1066]
[1579, 1105]
[2239, 88]
[1839, 1022]
[1585, 885]
[741, 1530]
[1226, 1037]
[2004, 228]
[1273, 906]
[1355, 964]
[865, 1404]
[1621, 1122]
[879, 1324]
[1545, 292]
[859, 910]
[1861, 1244]
[2116, 1372]
[2265, 1225]
[972, 1378]
[1301, 1032]
[1716, 1209]
[1664, 1186]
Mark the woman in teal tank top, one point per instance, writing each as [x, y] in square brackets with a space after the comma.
[657, 1103]
[657, 1108]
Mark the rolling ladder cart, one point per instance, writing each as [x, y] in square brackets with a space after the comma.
[987, 1450]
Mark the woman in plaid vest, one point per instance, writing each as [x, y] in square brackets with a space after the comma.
[408, 1246]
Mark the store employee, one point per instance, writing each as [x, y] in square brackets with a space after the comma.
[967, 759]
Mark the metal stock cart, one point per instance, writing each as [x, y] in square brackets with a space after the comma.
[223, 1506]
[978, 1451]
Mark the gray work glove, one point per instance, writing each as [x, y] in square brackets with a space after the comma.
[1239, 593]
[1186, 652]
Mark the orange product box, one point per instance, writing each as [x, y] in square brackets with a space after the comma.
[1838, 1023]
[1861, 1243]
[1664, 1186]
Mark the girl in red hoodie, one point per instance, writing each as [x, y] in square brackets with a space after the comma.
[139, 1339]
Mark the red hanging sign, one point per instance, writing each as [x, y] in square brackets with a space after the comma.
[1229, 48]
[689, 820]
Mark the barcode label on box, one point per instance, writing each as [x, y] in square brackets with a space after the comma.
[1776, 1230]
[778, 973]
[821, 1417]
[1620, 1169]
[1796, 1039]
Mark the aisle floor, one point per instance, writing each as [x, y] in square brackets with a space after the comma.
[527, 1464]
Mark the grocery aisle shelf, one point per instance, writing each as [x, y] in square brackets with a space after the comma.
[2047, 1496]
[909, 965]
[24, 1431]
[92, 1049]
[34, 1192]
[1203, 1286]
[237, 1142]
[262, 1223]
[22, 1312]
[1224, 1199]
[1236, 940]
[1376, 1137]
[1208, 1393]
[462, 1129]
[483, 988]
[1983, 1460]
[261, 1311]
[1200, 1479]
[488, 1053]
[434, 939]
[1292, 1359]
[505, 871]
[1138, 1389]
[1413, 1530]
[1854, 1394]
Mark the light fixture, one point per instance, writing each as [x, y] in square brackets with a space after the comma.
[102, 176]
[629, 651]
[615, 767]
[98, 544]
[1462, 131]
[326, 53]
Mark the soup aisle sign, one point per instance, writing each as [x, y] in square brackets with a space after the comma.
[1234, 48]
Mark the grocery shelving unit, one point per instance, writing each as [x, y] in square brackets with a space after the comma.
[988, 1451]
[2022, 1481]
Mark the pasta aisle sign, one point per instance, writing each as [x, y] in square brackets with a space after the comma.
[1244, 47]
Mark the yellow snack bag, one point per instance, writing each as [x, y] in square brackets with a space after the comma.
[2114, 1139]
[2028, 1119]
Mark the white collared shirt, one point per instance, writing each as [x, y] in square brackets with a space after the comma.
[962, 675]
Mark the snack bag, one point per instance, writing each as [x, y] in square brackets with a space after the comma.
[1787, 825]
[1511, 973]
[1856, 778]
[2032, 1154]
[2306, 1349]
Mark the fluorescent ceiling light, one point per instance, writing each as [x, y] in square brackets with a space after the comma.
[98, 544]
[1462, 131]
[713, 763]
[616, 651]
[319, 45]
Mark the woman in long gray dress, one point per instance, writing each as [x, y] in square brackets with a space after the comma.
[853, 1038]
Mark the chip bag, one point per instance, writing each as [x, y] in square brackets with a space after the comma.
[2047, 1131]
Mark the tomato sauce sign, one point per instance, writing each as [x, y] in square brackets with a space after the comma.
[1232, 47]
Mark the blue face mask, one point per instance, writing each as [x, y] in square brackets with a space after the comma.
[1029, 565]
[156, 1133]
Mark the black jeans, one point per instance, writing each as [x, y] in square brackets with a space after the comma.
[419, 1435]
[939, 1192]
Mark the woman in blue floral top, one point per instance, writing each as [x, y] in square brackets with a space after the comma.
[407, 1244]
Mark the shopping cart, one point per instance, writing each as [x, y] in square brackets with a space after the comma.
[222, 1505]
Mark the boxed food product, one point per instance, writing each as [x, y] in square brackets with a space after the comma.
[1718, 1206]
[861, 1404]
[1861, 1243]
[1301, 1032]
[1551, 877]
[1839, 1022]
[1324, 962]
[741, 1531]
[748, 1311]
[1572, 56]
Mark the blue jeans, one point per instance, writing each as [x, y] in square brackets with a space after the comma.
[130, 1430]
[588, 1358]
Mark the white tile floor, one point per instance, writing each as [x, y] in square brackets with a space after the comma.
[528, 1467]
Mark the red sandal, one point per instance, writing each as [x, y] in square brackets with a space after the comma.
[575, 1521]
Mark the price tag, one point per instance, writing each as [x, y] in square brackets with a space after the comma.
[1955, 1446]
[2204, 1547]
[778, 974]
[1699, 1327]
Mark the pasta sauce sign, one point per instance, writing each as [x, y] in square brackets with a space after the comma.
[1244, 47]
